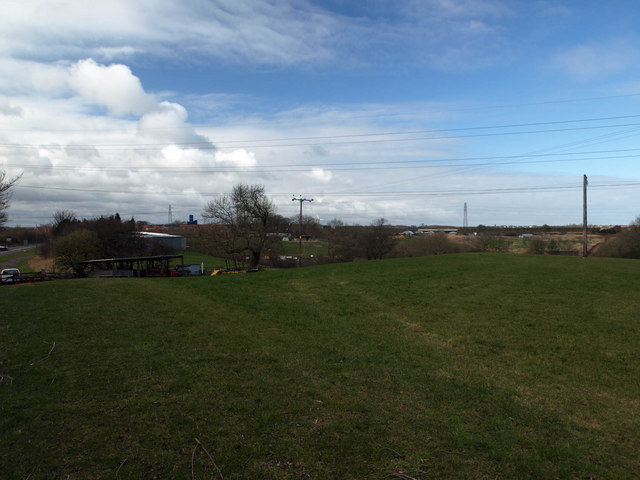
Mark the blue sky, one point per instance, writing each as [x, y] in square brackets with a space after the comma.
[404, 110]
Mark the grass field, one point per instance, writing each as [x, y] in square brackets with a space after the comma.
[309, 248]
[210, 262]
[475, 366]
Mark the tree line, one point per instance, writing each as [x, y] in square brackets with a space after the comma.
[74, 240]
[244, 225]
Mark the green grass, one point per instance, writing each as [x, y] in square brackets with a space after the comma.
[210, 262]
[317, 249]
[461, 366]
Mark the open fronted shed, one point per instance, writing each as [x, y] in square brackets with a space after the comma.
[155, 266]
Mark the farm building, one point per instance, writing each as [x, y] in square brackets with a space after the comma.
[155, 266]
[176, 241]
[431, 231]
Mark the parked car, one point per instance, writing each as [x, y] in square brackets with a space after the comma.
[10, 275]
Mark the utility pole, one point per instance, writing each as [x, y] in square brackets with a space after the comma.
[465, 220]
[170, 216]
[584, 215]
[294, 199]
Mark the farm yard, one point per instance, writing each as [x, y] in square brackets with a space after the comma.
[454, 366]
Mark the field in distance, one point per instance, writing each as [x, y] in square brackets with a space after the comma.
[456, 366]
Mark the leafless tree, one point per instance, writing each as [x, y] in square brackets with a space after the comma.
[6, 186]
[63, 220]
[377, 239]
[245, 218]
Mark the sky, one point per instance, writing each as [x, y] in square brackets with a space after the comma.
[404, 110]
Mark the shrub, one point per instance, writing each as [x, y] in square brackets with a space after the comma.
[625, 244]
[437, 244]
[376, 240]
[537, 246]
[491, 243]
[73, 248]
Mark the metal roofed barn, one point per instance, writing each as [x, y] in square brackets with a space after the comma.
[178, 242]
[153, 266]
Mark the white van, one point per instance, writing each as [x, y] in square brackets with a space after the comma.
[10, 275]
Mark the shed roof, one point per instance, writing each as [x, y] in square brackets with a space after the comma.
[158, 235]
[130, 259]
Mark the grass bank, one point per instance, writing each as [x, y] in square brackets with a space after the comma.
[462, 366]
[18, 260]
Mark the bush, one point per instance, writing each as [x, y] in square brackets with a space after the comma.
[491, 243]
[537, 246]
[422, 246]
[73, 248]
[625, 244]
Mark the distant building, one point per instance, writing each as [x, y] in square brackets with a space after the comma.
[449, 231]
[176, 241]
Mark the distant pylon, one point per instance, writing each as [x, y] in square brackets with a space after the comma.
[465, 220]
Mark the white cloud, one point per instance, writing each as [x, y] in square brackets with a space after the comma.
[8, 109]
[176, 156]
[113, 86]
[321, 175]
[589, 61]
[265, 32]
[26, 76]
[285, 33]
[167, 122]
[109, 53]
[239, 158]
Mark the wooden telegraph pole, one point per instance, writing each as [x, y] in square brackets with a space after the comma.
[294, 199]
[584, 215]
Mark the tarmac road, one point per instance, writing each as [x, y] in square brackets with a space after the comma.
[15, 261]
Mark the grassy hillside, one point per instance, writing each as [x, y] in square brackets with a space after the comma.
[463, 366]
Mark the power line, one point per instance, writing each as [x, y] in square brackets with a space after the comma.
[369, 165]
[488, 191]
[209, 145]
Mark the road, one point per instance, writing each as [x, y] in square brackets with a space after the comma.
[18, 250]
[15, 261]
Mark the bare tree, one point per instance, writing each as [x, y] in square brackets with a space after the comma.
[6, 186]
[245, 218]
[310, 226]
[377, 239]
[62, 221]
